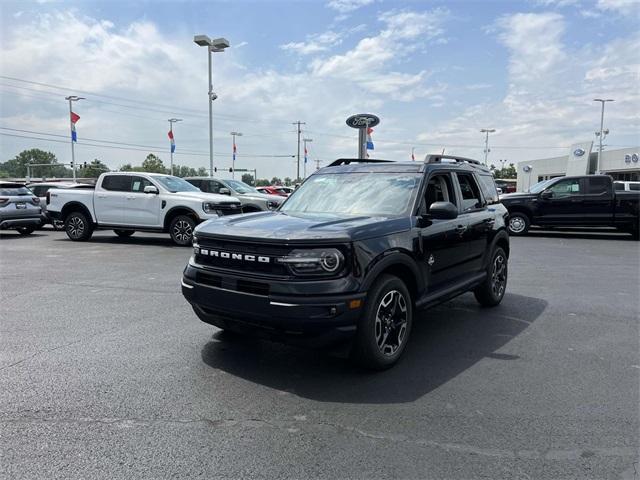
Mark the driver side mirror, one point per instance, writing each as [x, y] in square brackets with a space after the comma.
[547, 194]
[224, 191]
[151, 189]
[443, 211]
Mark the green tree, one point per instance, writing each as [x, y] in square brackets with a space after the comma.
[247, 178]
[184, 171]
[93, 169]
[262, 182]
[508, 172]
[287, 181]
[153, 164]
[126, 167]
[17, 166]
[202, 172]
[276, 181]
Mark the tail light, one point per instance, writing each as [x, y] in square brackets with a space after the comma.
[3, 201]
[35, 200]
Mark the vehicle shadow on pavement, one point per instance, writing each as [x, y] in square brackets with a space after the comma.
[445, 341]
[141, 240]
[16, 235]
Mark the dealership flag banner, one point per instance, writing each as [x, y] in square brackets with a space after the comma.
[173, 142]
[235, 149]
[305, 154]
[413, 157]
[74, 118]
[369, 140]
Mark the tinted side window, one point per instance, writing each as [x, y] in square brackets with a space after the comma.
[117, 183]
[196, 183]
[211, 186]
[597, 185]
[489, 188]
[40, 190]
[470, 192]
[566, 187]
[618, 186]
[138, 184]
[634, 186]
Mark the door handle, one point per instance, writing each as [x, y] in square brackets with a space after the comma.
[102, 196]
[461, 229]
[131, 198]
[489, 221]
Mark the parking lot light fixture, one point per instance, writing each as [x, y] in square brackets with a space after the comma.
[215, 45]
[486, 131]
[602, 101]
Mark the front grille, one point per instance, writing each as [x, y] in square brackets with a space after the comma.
[228, 208]
[242, 256]
[245, 286]
[207, 279]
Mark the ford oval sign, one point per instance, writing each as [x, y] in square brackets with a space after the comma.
[578, 152]
[634, 158]
[363, 120]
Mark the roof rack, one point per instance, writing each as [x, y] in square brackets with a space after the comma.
[347, 161]
[439, 158]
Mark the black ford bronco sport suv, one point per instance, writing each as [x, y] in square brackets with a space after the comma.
[353, 253]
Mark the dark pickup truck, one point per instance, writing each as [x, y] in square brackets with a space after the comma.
[585, 201]
[352, 253]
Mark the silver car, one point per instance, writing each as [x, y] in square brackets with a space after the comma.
[250, 198]
[19, 208]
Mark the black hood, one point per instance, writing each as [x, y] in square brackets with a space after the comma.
[301, 228]
[517, 196]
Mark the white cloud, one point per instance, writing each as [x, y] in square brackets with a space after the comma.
[315, 43]
[624, 7]
[348, 6]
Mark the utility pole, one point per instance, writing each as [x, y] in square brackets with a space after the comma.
[298, 123]
[602, 101]
[317, 164]
[502, 162]
[71, 99]
[173, 145]
[486, 131]
[233, 159]
[306, 140]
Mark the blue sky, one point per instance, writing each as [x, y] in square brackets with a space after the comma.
[435, 72]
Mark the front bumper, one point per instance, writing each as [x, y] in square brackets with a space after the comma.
[304, 319]
[7, 223]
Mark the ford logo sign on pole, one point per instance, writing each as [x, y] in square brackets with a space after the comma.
[362, 122]
[578, 152]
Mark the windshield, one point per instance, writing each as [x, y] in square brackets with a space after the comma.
[176, 184]
[240, 187]
[540, 186]
[15, 191]
[355, 194]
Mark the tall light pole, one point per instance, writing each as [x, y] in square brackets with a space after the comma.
[305, 140]
[216, 45]
[71, 99]
[298, 123]
[502, 162]
[602, 101]
[486, 131]
[173, 145]
[233, 161]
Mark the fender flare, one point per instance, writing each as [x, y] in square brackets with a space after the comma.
[75, 206]
[170, 213]
[386, 260]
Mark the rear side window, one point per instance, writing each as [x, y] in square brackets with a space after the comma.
[117, 183]
[40, 190]
[470, 192]
[618, 186]
[598, 185]
[489, 188]
[634, 186]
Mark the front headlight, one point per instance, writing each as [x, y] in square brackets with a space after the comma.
[272, 204]
[208, 207]
[314, 262]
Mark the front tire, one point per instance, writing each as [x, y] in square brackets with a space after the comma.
[491, 292]
[78, 227]
[518, 224]
[25, 230]
[385, 324]
[124, 233]
[181, 230]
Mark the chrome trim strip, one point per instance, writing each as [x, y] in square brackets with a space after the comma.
[185, 285]
[279, 304]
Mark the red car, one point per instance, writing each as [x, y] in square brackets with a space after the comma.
[274, 191]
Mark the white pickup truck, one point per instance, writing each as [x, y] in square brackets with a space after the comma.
[128, 201]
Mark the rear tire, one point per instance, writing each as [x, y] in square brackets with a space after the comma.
[491, 292]
[385, 324]
[124, 233]
[518, 224]
[25, 230]
[181, 230]
[78, 227]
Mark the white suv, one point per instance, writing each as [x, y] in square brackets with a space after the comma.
[128, 201]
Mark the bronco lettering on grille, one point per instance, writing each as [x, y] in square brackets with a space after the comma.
[234, 256]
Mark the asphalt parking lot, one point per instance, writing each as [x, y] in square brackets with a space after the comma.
[105, 372]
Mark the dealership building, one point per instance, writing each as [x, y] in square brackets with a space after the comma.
[622, 164]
